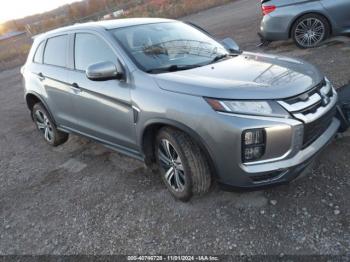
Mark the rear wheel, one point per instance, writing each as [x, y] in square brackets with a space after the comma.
[310, 30]
[47, 127]
[183, 166]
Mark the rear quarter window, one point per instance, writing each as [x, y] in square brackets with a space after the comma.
[38, 57]
[56, 50]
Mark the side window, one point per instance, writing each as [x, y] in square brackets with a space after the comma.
[90, 49]
[38, 57]
[55, 51]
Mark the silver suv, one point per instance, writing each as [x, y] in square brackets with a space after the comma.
[194, 109]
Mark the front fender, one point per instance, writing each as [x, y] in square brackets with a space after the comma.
[160, 122]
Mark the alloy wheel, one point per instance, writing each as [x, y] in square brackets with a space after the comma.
[44, 125]
[171, 163]
[310, 32]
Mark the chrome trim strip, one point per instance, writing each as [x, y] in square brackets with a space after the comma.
[136, 108]
[320, 111]
[326, 89]
[299, 106]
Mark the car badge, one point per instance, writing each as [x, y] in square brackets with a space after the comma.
[304, 97]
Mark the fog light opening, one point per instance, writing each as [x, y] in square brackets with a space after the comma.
[253, 144]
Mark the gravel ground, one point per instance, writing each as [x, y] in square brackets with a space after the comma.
[81, 198]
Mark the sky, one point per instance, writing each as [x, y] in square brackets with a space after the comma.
[12, 9]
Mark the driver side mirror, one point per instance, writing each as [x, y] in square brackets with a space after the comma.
[104, 71]
[231, 45]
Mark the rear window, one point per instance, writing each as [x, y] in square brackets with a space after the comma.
[55, 51]
[38, 57]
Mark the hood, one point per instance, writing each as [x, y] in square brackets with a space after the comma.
[246, 76]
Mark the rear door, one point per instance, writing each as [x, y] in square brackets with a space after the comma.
[54, 77]
[339, 11]
[103, 108]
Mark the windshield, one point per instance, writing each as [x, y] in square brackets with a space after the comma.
[168, 46]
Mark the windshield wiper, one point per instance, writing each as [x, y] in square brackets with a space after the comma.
[172, 68]
[220, 57]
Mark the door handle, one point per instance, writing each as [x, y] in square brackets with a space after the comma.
[76, 86]
[41, 76]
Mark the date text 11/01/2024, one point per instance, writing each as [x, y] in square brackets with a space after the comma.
[173, 258]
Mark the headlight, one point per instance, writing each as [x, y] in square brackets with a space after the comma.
[258, 108]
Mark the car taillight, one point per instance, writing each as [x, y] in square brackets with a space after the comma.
[266, 9]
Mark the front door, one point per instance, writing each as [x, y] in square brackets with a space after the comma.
[103, 108]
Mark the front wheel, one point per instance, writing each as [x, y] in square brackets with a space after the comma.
[310, 30]
[183, 166]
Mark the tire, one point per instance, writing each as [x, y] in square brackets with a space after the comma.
[310, 30]
[184, 164]
[46, 126]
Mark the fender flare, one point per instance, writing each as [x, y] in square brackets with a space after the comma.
[42, 100]
[182, 127]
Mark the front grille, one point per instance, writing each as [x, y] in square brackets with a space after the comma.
[315, 129]
[302, 97]
[315, 108]
[309, 102]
